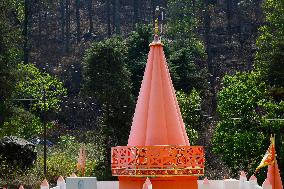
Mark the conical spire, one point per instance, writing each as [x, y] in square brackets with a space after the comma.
[157, 119]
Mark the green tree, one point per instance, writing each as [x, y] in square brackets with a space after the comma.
[270, 53]
[186, 51]
[190, 107]
[186, 74]
[242, 134]
[45, 90]
[23, 124]
[9, 55]
[138, 48]
[107, 78]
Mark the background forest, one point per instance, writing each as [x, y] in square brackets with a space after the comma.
[77, 66]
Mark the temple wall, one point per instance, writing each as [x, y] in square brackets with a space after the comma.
[213, 184]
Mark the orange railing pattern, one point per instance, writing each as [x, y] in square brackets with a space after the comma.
[157, 160]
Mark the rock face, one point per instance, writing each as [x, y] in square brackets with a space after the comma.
[17, 152]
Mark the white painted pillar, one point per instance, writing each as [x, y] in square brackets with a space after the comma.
[44, 184]
[231, 184]
[206, 183]
[243, 179]
[266, 184]
[252, 182]
[61, 183]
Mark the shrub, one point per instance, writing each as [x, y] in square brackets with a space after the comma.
[242, 134]
[22, 124]
[190, 107]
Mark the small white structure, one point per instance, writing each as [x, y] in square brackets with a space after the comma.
[205, 184]
[231, 184]
[108, 185]
[81, 183]
[242, 183]
[266, 184]
[75, 182]
[44, 184]
[61, 183]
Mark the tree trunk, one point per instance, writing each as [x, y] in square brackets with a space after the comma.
[117, 17]
[90, 16]
[67, 39]
[25, 31]
[108, 18]
[194, 7]
[63, 22]
[39, 23]
[78, 26]
[135, 14]
[229, 17]
[113, 14]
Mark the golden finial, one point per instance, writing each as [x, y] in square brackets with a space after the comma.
[156, 26]
[157, 39]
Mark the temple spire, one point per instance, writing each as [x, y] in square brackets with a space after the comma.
[157, 119]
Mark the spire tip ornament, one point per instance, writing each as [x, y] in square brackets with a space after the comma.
[156, 26]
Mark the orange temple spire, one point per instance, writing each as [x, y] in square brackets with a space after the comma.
[157, 119]
[158, 146]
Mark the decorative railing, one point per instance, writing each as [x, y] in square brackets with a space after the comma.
[157, 160]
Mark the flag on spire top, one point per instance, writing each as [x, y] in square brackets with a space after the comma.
[269, 156]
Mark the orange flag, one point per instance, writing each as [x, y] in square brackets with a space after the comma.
[269, 156]
[274, 177]
[81, 164]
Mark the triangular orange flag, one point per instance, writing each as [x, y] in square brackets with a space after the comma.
[273, 175]
[269, 156]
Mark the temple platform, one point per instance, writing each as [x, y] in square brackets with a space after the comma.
[173, 182]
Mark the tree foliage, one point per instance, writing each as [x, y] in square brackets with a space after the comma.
[186, 51]
[108, 79]
[23, 124]
[138, 48]
[185, 71]
[44, 89]
[242, 134]
[190, 106]
[9, 55]
[270, 54]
